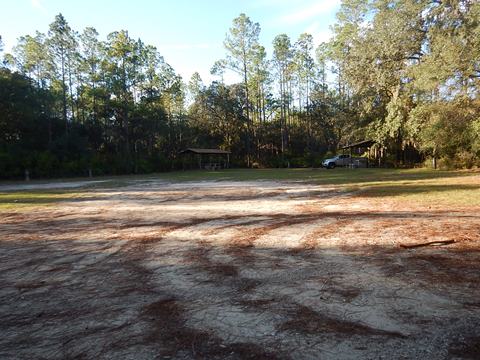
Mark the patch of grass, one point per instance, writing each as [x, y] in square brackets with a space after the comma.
[464, 191]
[319, 176]
[26, 200]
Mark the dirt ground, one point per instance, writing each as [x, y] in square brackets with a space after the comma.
[238, 270]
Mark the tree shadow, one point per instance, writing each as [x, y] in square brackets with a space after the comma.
[413, 189]
[71, 291]
[69, 298]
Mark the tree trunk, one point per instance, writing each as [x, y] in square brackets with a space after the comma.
[247, 109]
[64, 93]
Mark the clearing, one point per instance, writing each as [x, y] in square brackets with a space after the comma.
[243, 264]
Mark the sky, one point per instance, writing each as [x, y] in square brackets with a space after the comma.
[189, 34]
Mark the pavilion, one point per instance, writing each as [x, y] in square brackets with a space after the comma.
[209, 159]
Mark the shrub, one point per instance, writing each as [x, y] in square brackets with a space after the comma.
[464, 160]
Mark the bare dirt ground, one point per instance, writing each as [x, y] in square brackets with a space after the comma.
[238, 270]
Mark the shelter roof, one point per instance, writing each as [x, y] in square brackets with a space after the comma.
[205, 151]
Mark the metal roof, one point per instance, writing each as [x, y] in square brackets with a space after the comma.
[205, 151]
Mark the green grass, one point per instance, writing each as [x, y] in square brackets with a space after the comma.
[463, 191]
[32, 199]
[319, 176]
[418, 185]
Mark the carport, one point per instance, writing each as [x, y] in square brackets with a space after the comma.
[360, 148]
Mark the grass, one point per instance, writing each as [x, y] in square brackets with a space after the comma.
[319, 176]
[417, 185]
[32, 199]
[464, 191]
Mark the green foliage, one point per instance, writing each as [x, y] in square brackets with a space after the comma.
[406, 74]
[413, 68]
[72, 103]
[448, 130]
[474, 131]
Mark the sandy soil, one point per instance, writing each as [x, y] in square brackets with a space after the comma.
[249, 270]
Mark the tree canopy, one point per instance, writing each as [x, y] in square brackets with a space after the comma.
[405, 73]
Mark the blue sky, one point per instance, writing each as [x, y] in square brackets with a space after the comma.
[189, 34]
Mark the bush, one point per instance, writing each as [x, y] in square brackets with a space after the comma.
[272, 162]
[299, 162]
[464, 160]
[47, 164]
[445, 163]
[461, 160]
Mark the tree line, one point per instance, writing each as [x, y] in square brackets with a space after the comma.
[70, 102]
[404, 73]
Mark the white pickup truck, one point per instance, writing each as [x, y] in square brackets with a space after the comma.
[344, 160]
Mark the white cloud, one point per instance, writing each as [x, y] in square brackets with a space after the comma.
[37, 4]
[313, 10]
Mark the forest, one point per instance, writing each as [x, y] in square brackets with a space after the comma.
[404, 73]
